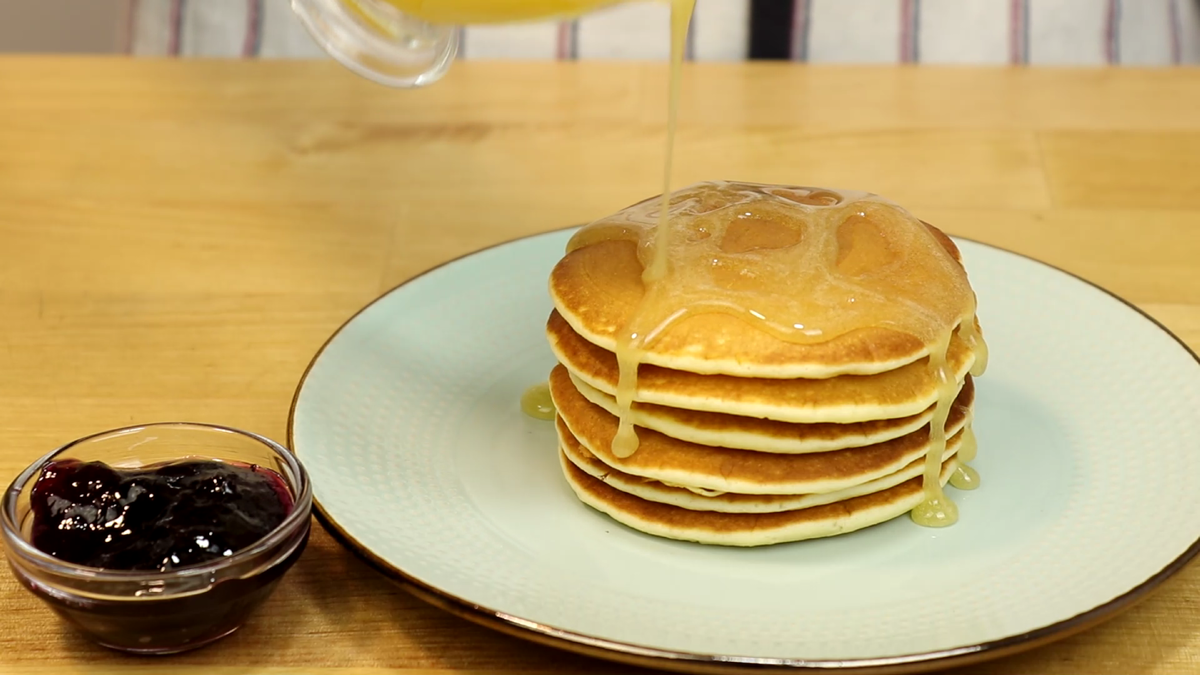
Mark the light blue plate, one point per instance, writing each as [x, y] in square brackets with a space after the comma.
[1089, 448]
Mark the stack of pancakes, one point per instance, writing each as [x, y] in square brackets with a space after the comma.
[744, 439]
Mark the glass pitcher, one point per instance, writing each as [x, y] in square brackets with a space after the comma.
[411, 43]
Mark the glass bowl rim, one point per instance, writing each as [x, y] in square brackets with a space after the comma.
[301, 512]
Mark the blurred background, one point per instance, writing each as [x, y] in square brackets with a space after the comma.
[63, 25]
[1037, 32]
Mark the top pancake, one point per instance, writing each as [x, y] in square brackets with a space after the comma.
[597, 288]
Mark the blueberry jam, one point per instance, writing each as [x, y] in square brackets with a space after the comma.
[156, 518]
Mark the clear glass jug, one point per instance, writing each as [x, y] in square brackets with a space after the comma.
[411, 43]
[379, 42]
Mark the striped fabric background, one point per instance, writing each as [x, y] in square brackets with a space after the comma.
[1037, 32]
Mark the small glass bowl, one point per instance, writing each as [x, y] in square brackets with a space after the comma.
[160, 612]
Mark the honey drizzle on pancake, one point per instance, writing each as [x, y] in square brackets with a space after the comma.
[938, 510]
[969, 446]
[804, 265]
[965, 477]
[635, 336]
[681, 18]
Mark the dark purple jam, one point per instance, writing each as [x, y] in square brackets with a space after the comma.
[156, 518]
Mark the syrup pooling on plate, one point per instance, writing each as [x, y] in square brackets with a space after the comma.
[806, 266]
[965, 478]
[536, 402]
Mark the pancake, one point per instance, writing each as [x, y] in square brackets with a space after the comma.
[597, 286]
[905, 391]
[671, 460]
[730, 502]
[754, 433]
[746, 529]
[763, 364]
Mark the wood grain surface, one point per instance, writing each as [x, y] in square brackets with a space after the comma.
[177, 239]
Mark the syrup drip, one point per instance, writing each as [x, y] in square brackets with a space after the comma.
[937, 510]
[969, 446]
[636, 337]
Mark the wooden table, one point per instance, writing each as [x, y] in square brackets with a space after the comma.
[178, 238]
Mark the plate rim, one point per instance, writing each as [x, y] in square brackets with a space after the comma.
[695, 662]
